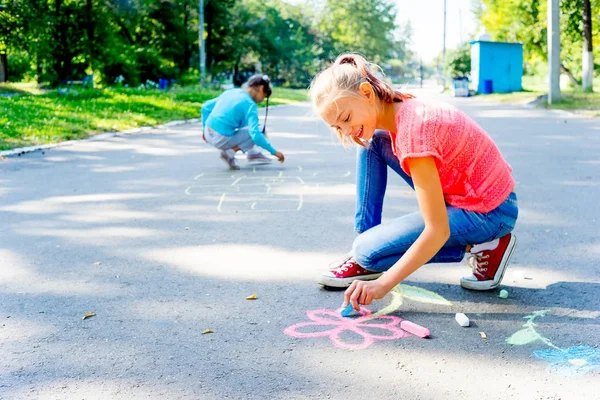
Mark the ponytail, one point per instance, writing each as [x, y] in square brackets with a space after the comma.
[382, 89]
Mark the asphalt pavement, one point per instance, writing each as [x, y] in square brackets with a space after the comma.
[153, 235]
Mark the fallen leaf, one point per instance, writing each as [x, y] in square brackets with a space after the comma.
[207, 331]
[89, 315]
[483, 335]
[252, 297]
[96, 263]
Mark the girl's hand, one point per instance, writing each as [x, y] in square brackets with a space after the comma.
[364, 292]
[280, 156]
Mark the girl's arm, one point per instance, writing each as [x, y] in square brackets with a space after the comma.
[437, 231]
[207, 108]
[255, 132]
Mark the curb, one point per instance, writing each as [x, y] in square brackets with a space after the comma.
[23, 150]
[535, 105]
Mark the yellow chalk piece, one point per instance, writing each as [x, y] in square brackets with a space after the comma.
[89, 315]
[483, 335]
[252, 297]
[207, 331]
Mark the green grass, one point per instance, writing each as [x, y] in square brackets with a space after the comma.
[20, 88]
[573, 99]
[522, 97]
[30, 118]
[584, 103]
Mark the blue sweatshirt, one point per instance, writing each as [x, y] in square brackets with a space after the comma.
[235, 109]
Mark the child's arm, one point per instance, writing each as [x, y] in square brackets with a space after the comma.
[437, 231]
[207, 108]
[255, 133]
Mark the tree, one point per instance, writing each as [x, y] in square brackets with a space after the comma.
[364, 26]
[458, 61]
[525, 21]
[588, 54]
[59, 40]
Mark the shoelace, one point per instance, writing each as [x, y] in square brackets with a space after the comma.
[345, 266]
[477, 263]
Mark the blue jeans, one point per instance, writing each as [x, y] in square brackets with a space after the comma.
[379, 246]
[240, 138]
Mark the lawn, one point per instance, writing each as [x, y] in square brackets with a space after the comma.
[571, 99]
[31, 116]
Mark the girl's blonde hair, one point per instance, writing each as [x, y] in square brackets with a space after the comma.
[344, 77]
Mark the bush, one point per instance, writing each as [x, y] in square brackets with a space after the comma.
[458, 62]
[19, 66]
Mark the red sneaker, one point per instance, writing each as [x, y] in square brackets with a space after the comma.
[489, 262]
[345, 273]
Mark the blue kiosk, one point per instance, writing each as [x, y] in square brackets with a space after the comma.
[496, 67]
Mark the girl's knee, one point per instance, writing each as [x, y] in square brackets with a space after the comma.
[361, 251]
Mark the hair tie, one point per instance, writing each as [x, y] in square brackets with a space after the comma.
[348, 60]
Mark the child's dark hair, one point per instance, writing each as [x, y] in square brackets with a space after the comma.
[261, 80]
[344, 77]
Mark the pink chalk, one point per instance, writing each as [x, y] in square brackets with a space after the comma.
[415, 329]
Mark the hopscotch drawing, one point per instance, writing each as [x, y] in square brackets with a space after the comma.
[263, 190]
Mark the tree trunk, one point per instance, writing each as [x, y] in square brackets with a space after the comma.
[187, 46]
[567, 71]
[588, 58]
[208, 20]
[3, 68]
[90, 28]
[58, 48]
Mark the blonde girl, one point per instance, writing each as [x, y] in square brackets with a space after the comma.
[463, 185]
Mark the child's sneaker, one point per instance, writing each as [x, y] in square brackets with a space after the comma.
[258, 158]
[489, 261]
[229, 157]
[345, 273]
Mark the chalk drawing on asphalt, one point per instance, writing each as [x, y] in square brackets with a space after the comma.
[360, 333]
[262, 191]
[572, 361]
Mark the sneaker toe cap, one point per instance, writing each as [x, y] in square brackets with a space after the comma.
[329, 274]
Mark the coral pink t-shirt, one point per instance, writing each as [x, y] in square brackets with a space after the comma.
[473, 173]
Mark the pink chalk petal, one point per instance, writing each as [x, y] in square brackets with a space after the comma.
[315, 329]
[325, 316]
[337, 341]
[382, 332]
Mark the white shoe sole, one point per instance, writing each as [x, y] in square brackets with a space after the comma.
[331, 281]
[259, 160]
[493, 283]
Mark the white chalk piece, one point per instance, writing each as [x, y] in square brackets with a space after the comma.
[503, 294]
[462, 319]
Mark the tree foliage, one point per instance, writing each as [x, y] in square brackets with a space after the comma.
[458, 61]
[525, 21]
[59, 40]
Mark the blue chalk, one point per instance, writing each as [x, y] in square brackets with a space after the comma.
[347, 311]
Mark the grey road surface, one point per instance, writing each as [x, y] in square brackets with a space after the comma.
[156, 237]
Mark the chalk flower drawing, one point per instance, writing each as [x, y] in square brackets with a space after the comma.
[362, 327]
[327, 323]
[573, 361]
